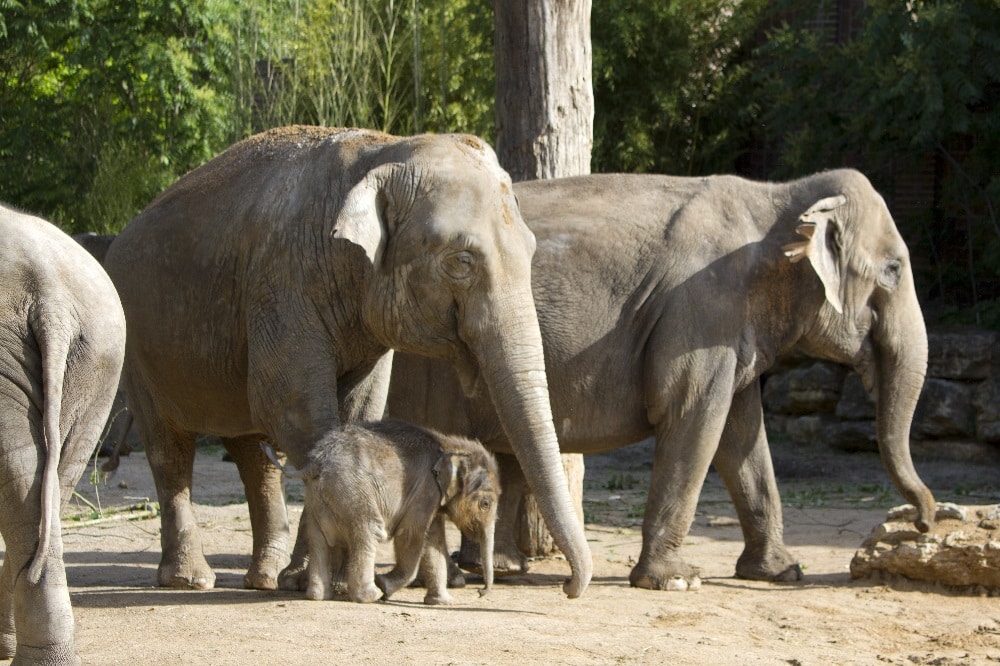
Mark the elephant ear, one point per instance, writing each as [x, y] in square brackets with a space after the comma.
[363, 215]
[447, 477]
[822, 251]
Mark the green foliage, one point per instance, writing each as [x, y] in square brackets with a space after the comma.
[670, 84]
[82, 82]
[920, 78]
[103, 103]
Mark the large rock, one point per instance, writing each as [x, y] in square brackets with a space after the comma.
[944, 411]
[962, 550]
[963, 354]
[808, 389]
[987, 403]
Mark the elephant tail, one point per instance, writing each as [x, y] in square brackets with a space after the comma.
[286, 470]
[54, 347]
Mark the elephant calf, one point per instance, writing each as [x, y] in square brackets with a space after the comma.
[393, 480]
[62, 341]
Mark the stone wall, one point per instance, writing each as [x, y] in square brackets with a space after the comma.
[958, 415]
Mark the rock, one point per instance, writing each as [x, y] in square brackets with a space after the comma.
[807, 389]
[961, 551]
[944, 410]
[855, 403]
[965, 355]
[986, 400]
[851, 435]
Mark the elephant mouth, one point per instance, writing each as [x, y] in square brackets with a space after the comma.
[864, 364]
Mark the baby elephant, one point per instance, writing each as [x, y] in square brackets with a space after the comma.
[390, 479]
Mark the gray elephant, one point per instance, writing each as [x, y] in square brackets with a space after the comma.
[62, 341]
[282, 273]
[114, 438]
[661, 301]
[393, 480]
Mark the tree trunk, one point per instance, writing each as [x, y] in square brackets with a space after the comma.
[545, 129]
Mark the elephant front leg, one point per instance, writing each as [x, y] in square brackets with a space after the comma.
[744, 464]
[508, 559]
[264, 491]
[684, 451]
[435, 565]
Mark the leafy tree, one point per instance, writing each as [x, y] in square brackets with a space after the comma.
[920, 78]
[105, 101]
[670, 84]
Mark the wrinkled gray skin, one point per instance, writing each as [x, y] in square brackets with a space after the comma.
[662, 300]
[62, 340]
[385, 480]
[114, 438]
[281, 273]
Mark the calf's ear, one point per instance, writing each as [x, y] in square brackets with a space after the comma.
[446, 476]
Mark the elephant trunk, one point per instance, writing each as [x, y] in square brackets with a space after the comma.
[513, 367]
[901, 364]
[486, 556]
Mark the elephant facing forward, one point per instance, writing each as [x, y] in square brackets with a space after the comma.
[661, 300]
[62, 340]
[393, 480]
[264, 292]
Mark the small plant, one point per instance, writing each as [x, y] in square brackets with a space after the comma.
[621, 482]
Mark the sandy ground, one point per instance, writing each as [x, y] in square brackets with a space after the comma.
[832, 501]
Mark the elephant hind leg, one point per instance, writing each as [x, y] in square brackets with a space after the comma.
[171, 459]
[265, 495]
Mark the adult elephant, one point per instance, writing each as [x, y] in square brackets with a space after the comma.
[62, 340]
[265, 290]
[661, 301]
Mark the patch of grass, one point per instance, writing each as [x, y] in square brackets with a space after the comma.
[621, 482]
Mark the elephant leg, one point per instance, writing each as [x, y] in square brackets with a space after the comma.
[429, 554]
[508, 560]
[361, 568]
[36, 620]
[318, 583]
[8, 633]
[171, 459]
[265, 495]
[363, 400]
[435, 565]
[684, 452]
[744, 464]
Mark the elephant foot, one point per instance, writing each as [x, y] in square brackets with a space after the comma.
[439, 599]
[49, 655]
[8, 645]
[294, 578]
[366, 594]
[507, 561]
[673, 576]
[776, 565]
[263, 573]
[192, 577]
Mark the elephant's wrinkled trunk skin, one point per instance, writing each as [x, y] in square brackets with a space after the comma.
[486, 555]
[513, 367]
[901, 363]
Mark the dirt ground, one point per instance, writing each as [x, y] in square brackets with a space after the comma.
[832, 501]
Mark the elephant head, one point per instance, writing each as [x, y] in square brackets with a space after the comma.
[451, 278]
[870, 317]
[470, 489]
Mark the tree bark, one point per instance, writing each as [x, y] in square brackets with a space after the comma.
[545, 129]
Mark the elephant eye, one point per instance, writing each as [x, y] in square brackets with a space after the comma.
[460, 265]
[891, 272]
[485, 504]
